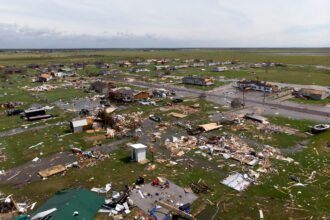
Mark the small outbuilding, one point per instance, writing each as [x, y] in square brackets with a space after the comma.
[81, 125]
[138, 152]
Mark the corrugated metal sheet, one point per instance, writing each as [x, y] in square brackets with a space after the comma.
[237, 182]
[79, 123]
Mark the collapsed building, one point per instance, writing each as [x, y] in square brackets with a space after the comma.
[162, 93]
[36, 114]
[219, 69]
[200, 81]
[14, 70]
[257, 86]
[313, 94]
[139, 69]
[99, 87]
[125, 94]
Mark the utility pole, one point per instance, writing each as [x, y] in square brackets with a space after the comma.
[243, 96]
[264, 97]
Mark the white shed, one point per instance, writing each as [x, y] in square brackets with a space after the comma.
[138, 152]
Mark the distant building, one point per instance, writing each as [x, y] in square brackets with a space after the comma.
[139, 69]
[14, 70]
[180, 66]
[161, 62]
[162, 93]
[45, 77]
[125, 64]
[187, 61]
[126, 94]
[200, 81]
[109, 72]
[57, 65]
[166, 67]
[214, 63]
[33, 66]
[313, 94]
[257, 86]
[80, 125]
[145, 63]
[102, 65]
[197, 65]
[79, 66]
[99, 87]
[256, 65]
[219, 69]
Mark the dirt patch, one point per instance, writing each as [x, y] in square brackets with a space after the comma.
[182, 108]
[94, 138]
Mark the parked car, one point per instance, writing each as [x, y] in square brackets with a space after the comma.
[148, 103]
[14, 112]
[154, 118]
[177, 100]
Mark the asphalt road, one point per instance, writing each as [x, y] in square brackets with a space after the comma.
[309, 111]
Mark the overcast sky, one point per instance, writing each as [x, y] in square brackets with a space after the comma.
[159, 23]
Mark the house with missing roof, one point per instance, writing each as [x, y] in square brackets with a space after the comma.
[314, 94]
[110, 72]
[102, 65]
[125, 94]
[200, 81]
[14, 70]
[139, 69]
[257, 86]
[219, 69]
[99, 87]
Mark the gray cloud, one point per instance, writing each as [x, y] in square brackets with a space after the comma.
[155, 23]
[13, 36]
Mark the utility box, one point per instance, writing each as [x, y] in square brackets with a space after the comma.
[138, 152]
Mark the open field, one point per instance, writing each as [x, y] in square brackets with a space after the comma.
[248, 55]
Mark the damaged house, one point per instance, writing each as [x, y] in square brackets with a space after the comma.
[33, 66]
[139, 69]
[109, 72]
[162, 93]
[143, 63]
[57, 65]
[125, 64]
[200, 81]
[180, 66]
[102, 65]
[36, 114]
[219, 69]
[99, 87]
[166, 67]
[125, 94]
[45, 77]
[80, 125]
[79, 66]
[313, 94]
[14, 70]
[197, 65]
[257, 86]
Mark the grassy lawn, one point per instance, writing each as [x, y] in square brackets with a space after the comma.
[16, 147]
[313, 102]
[301, 125]
[64, 94]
